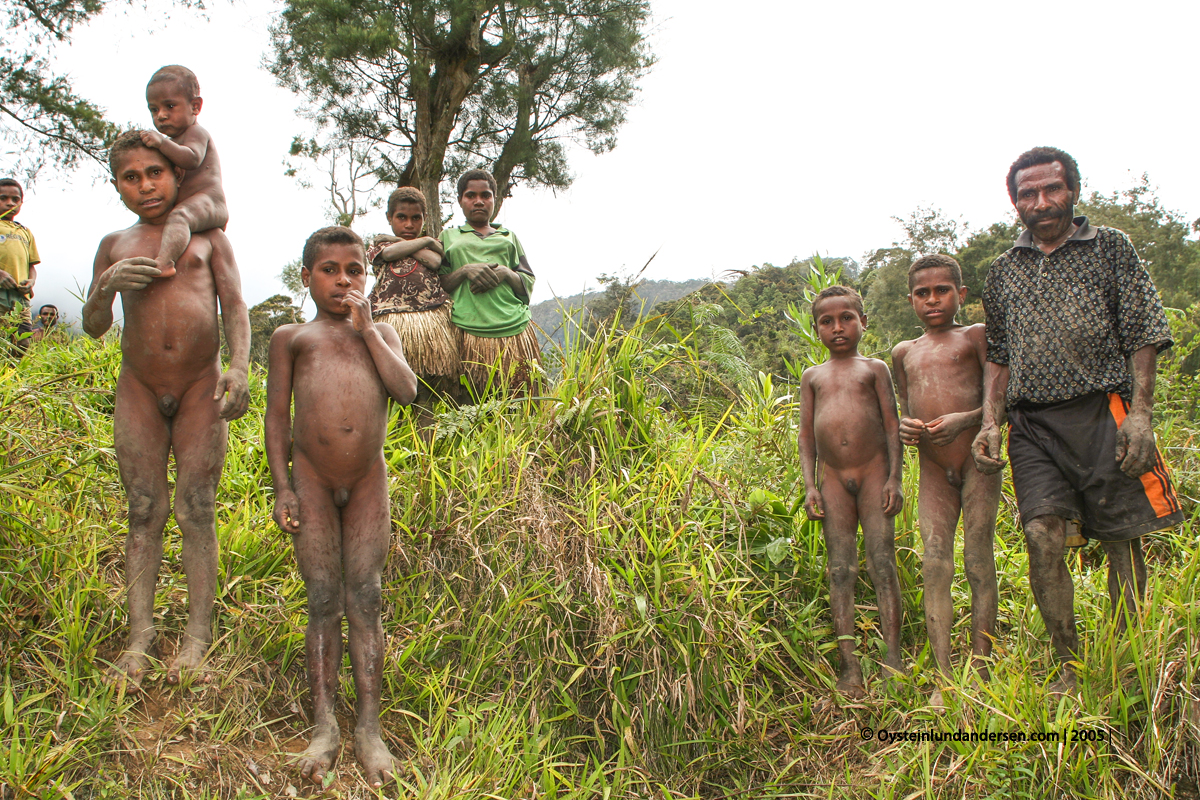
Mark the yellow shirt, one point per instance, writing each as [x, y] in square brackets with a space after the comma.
[18, 251]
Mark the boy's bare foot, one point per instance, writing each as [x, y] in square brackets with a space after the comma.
[321, 753]
[376, 760]
[190, 658]
[129, 669]
[852, 688]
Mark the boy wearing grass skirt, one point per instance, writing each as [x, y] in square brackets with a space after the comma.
[489, 279]
[340, 369]
[408, 296]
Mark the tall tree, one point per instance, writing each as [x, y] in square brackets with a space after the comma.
[438, 86]
[42, 121]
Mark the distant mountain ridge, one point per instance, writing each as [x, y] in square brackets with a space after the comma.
[549, 314]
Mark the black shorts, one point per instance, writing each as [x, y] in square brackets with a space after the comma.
[1064, 463]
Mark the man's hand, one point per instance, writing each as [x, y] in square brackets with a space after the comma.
[1135, 445]
[812, 505]
[893, 497]
[287, 511]
[7, 281]
[26, 288]
[129, 274]
[233, 386]
[360, 310]
[946, 428]
[911, 430]
[152, 139]
[986, 450]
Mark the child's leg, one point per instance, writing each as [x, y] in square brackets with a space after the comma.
[366, 534]
[879, 536]
[142, 443]
[318, 548]
[198, 437]
[937, 512]
[980, 500]
[841, 543]
[200, 212]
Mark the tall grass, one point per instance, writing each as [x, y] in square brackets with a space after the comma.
[609, 591]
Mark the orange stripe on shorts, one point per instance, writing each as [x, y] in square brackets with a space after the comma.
[1155, 481]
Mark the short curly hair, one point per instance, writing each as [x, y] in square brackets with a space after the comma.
[181, 75]
[838, 291]
[334, 234]
[476, 175]
[936, 261]
[126, 142]
[1043, 155]
[13, 182]
[406, 194]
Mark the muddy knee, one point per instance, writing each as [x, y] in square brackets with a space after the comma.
[842, 577]
[168, 405]
[365, 599]
[195, 510]
[146, 509]
[981, 571]
[324, 603]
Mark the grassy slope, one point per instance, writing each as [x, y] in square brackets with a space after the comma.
[589, 596]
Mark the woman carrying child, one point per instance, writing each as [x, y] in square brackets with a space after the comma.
[487, 275]
[408, 296]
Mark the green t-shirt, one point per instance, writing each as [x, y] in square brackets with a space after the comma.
[500, 312]
[17, 252]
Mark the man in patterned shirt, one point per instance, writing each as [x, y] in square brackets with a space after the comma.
[1074, 325]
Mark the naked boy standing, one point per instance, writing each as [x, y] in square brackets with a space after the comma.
[851, 457]
[171, 393]
[340, 369]
[939, 382]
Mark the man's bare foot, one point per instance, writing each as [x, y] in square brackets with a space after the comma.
[321, 753]
[1066, 683]
[377, 763]
[190, 658]
[167, 268]
[129, 669]
[852, 688]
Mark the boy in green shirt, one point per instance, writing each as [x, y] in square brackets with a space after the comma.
[18, 264]
[487, 276]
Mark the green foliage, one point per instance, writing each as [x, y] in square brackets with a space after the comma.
[265, 318]
[591, 594]
[438, 86]
[42, 121]
[1159, 235]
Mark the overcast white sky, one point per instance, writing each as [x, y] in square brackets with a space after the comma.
[767, 130]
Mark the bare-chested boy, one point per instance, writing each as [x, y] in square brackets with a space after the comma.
[173, 96]
[939, 381]
[340, 369]
[851, 456]
[171, 393]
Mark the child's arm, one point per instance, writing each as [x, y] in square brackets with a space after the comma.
[385, 348]
[986, 446]
[278, 424]
[186, 150]
[127, 275]
[893, 493]
[808, 449]
[403, 248]
[910, 428]
[233, 383]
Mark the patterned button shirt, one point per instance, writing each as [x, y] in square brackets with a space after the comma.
[1066, 322]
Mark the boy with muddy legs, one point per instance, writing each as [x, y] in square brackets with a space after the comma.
[850, 453]
[173, 96]
[171, 393]
[939, 382]
[340, 369]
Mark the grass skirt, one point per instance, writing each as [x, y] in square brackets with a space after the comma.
[429, 341]
[511, 356]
